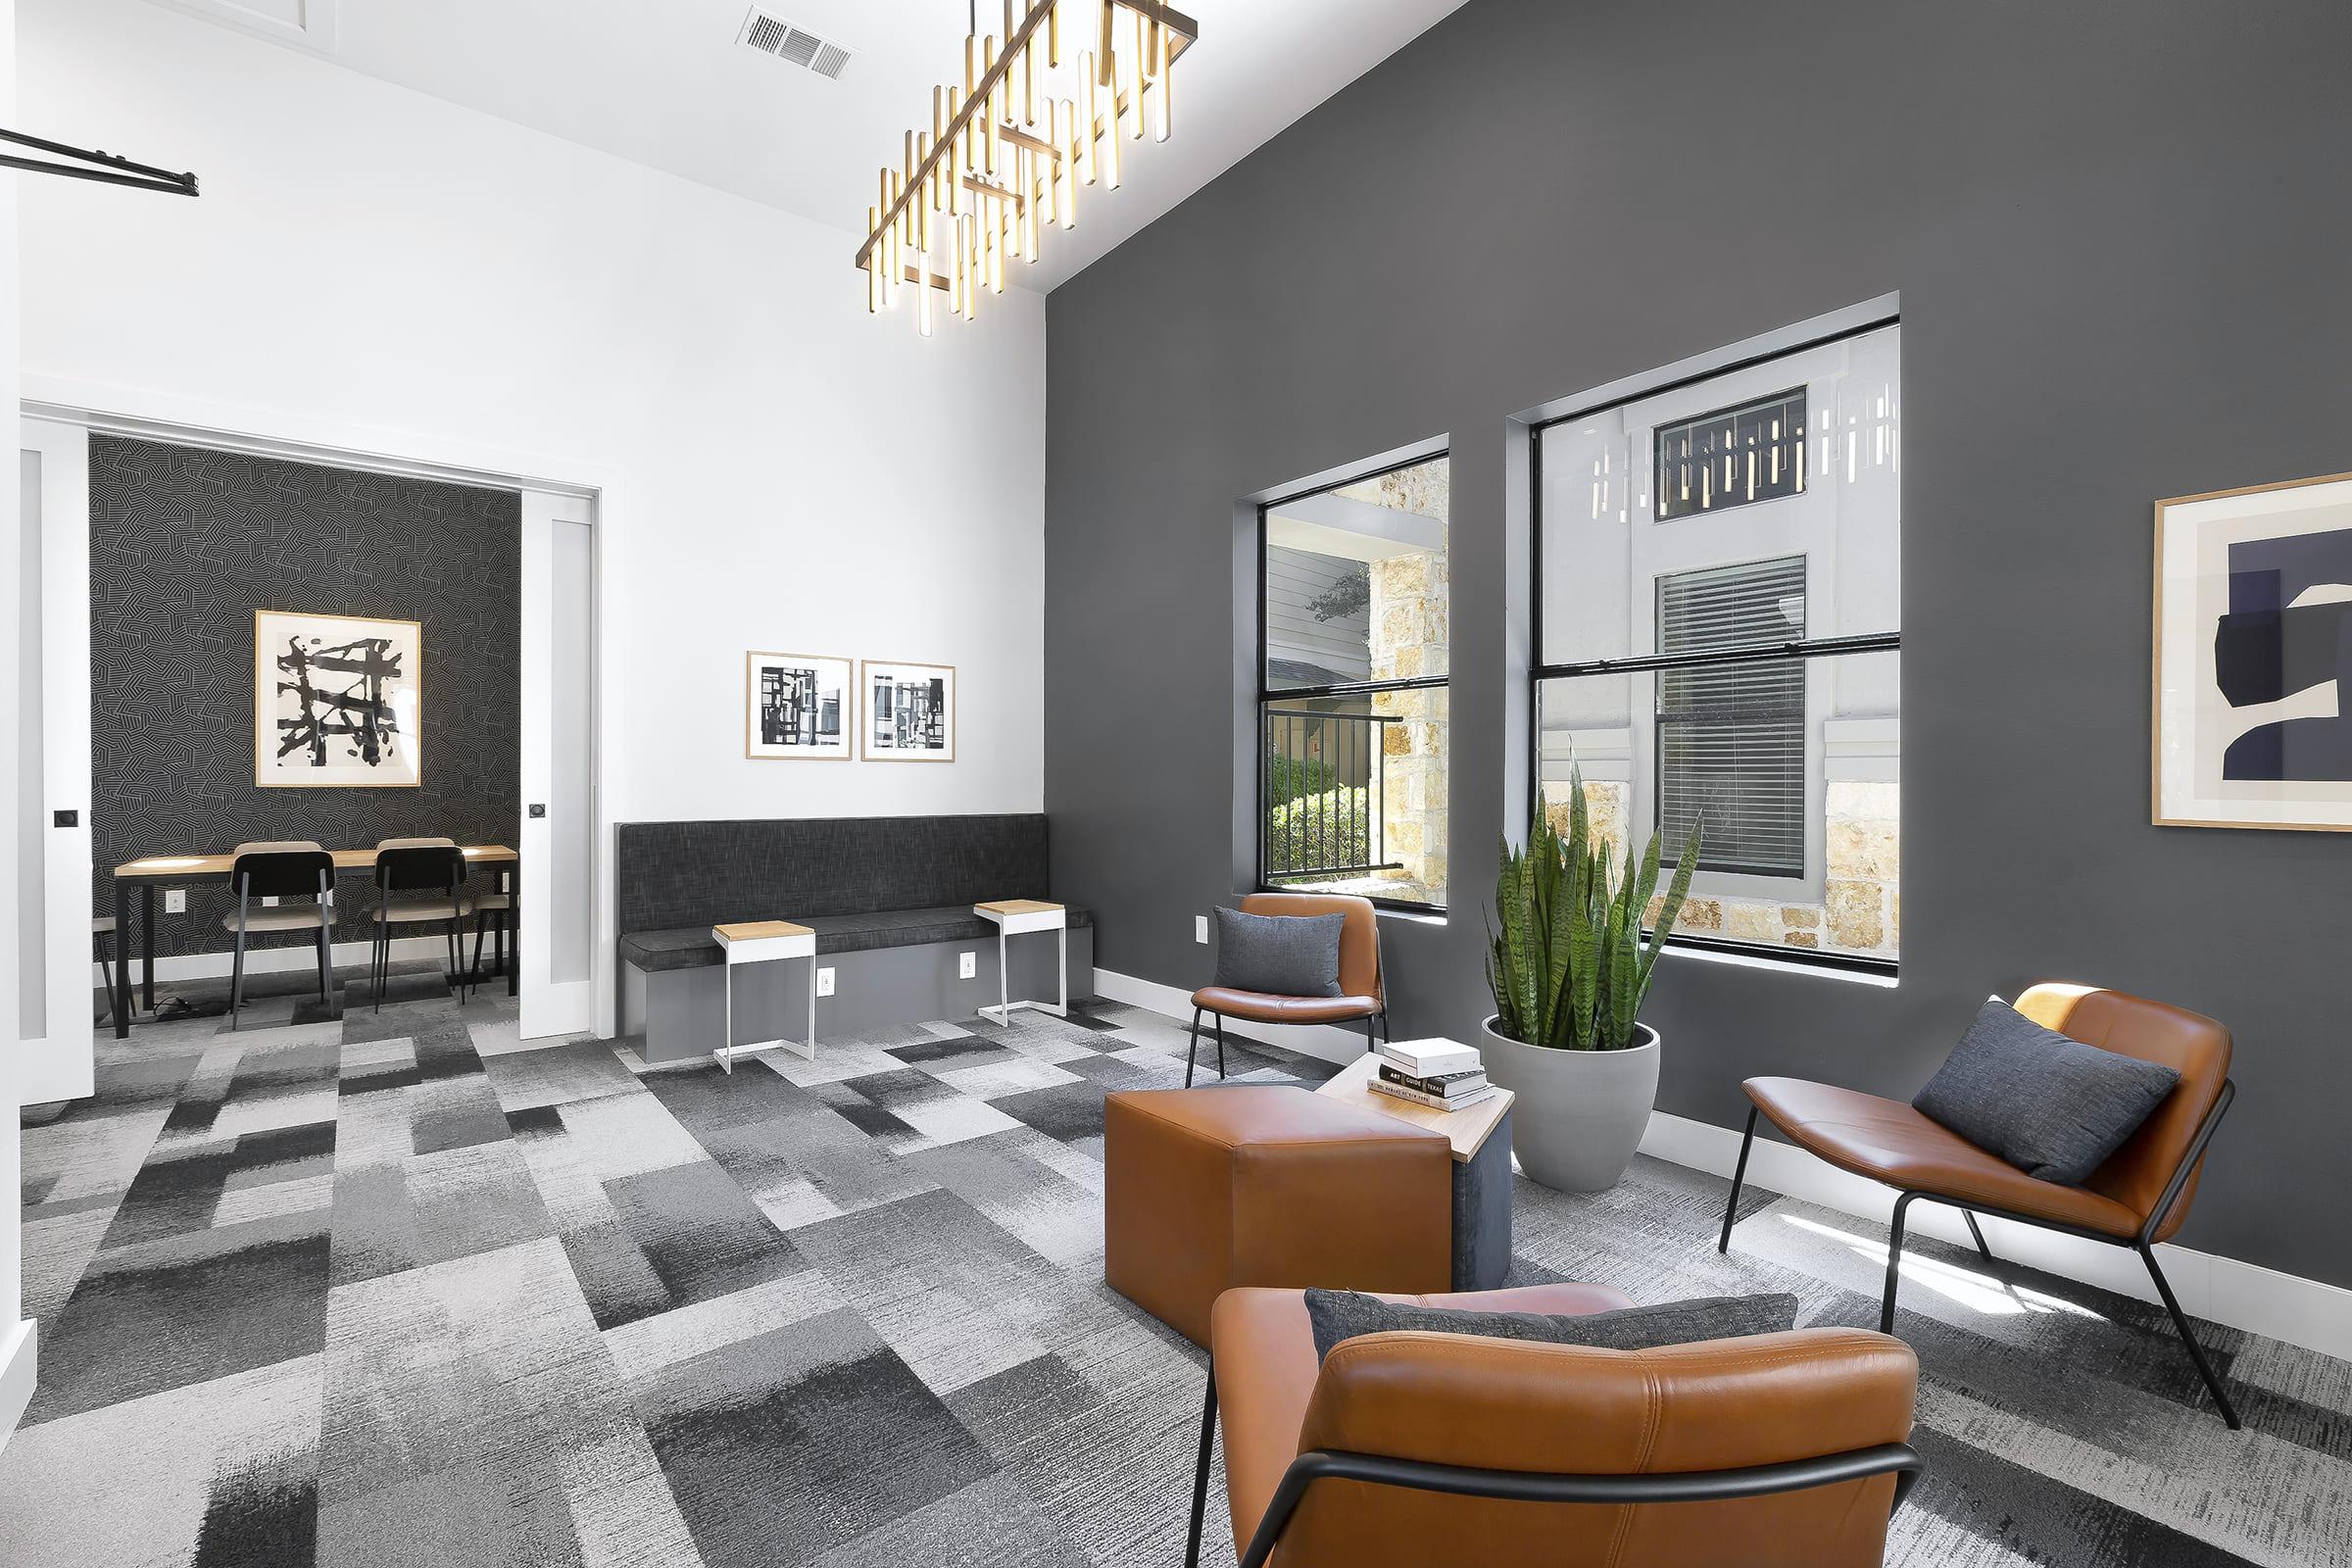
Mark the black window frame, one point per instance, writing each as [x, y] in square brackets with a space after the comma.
[1804, 648]
[1268, 693]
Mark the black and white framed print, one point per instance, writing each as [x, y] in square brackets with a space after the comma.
[909, 713]
[797, 706]
[337, 702]
[2253, 724]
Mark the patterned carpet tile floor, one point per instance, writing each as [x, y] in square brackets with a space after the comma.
[386, 1286]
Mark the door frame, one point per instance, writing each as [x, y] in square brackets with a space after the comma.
[591, 491]
[58, 1063]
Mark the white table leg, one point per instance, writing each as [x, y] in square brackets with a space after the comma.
[726, 1043]
[1004, 1011]
[1064, 1009]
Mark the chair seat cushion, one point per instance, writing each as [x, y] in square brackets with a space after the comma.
[409, 908]
[1893, 1143]
[693, 946]
[282, 917]
[1262, 1345]
[2048, 1104]
[1260, 1006]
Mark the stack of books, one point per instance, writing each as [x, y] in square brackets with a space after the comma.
[1432, 1072]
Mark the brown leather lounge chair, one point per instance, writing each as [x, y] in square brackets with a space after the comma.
[1419, 1450]
[2138, 1197]
[1360, 994]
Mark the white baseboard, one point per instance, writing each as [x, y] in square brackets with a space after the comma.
[2222, 1289]
[280, 961]
[19, 1352]
[1326, 1041]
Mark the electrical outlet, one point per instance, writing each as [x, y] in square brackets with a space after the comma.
[176, 901]
[824, 982]
[1200, 929]
[269, 901]
[967, 965]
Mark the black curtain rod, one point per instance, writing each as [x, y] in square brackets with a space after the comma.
[111, 170]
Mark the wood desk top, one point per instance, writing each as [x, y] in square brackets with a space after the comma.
[166, 867]
[759, 931]
[1468, 1127]
[1015, 907]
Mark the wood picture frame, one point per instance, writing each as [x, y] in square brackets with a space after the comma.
[359, 724]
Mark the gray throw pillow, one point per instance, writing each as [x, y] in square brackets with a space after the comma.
[1282, 955]
[1343, 1314]
[2052, 1106]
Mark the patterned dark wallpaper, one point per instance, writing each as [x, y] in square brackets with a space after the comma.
[185, 545]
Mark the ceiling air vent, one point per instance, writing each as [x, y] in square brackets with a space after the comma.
[797, 46]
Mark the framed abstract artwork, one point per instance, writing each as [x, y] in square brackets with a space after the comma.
[2253, 700]
[337, 702]
[909, 713]
[797, 707]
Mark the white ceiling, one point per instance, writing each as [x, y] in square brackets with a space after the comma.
[663, 82]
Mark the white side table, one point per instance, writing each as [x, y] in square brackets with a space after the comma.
[762, 942]
[1012, 917]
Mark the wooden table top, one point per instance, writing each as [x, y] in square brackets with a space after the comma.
[1468, 1127]
[1015, 907]
[759, 931]
[167, 868]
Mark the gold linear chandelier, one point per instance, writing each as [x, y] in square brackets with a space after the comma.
[1006, 152]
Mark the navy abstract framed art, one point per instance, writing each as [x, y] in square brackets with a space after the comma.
[2253, 699]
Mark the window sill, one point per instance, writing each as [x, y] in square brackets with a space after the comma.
[1884, 980]
[1429, 917]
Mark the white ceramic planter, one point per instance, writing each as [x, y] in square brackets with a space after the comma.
[1581, 1114]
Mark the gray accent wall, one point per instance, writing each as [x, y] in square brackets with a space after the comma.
[2122, 239]
[185, 545]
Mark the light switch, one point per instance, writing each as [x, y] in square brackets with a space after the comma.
[1200, 929]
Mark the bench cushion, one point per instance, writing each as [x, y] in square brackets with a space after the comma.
[693, 946]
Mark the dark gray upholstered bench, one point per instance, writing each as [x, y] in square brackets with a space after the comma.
[890, 900]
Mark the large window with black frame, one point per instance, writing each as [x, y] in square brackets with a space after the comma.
[1352, 637]
[1718, 618]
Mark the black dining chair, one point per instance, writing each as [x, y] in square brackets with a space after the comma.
[102, 944]
[493, 912]
[418, 882]
[293, 868]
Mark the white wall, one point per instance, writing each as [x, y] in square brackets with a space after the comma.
[16, 1338]
[784, 472]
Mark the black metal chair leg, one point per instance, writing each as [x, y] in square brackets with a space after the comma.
[1209, 1432]
[1894, 1262]
[107, 970]
[384, 959]
[1970, 1216]
[1369, 1044]
[481, 924]
[1221, 1018]
[1191, 1049]
[2196, 1352]
[1731, 1208]
[236, 975]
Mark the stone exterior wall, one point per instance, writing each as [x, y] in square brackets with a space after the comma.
[1862, 908]
[1411, 630]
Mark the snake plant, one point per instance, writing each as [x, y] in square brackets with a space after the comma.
[1568, 968]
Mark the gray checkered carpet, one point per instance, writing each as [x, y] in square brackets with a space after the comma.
[386, 1288]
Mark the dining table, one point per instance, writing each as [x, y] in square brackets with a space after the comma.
[149, 872]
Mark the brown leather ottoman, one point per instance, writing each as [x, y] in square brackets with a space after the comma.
[1206, 1188]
